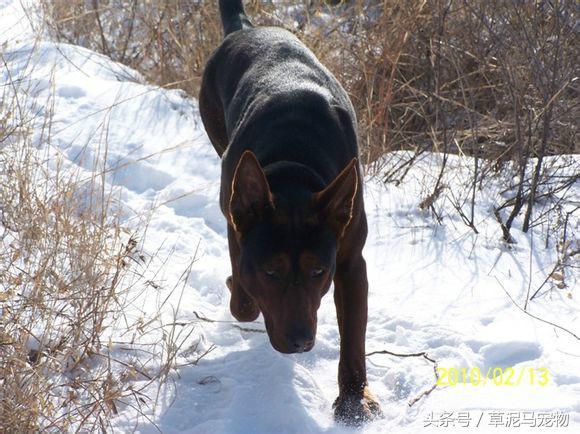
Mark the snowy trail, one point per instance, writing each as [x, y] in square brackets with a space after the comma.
[434, 287]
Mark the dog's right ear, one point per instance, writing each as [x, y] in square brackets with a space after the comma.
[251, 197]
[336, 201]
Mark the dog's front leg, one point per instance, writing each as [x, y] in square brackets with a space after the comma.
[242, 306]
[354, 404]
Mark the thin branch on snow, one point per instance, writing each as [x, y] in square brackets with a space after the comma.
[420, 354]
[244, 329]
[536, 317]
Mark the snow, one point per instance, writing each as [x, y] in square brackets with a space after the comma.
[438, 288]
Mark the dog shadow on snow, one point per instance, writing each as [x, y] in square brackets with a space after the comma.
[256, 390]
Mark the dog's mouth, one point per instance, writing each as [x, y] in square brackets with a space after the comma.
[297, 341]
[291, 348]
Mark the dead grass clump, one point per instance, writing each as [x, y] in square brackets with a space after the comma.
[438, 75]
[491, 79]
[75, 346]
[62, 262]
[167, 41]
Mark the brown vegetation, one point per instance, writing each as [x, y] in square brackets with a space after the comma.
[493, 79]
[69, 273]
[488, 78]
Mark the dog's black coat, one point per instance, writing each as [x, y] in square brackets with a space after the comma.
[303, 117]
[291, 190]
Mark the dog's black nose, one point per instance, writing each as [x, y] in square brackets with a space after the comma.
[300, 342]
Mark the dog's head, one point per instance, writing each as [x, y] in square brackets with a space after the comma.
[288, 248]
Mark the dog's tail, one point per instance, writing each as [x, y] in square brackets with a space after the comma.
[233, 16]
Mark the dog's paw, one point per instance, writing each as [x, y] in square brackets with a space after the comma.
[356, 409]
[241, 306]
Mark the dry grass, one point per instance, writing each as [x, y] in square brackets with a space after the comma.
[75, 347]
[62, 261]
[454, 76]
[491, 79]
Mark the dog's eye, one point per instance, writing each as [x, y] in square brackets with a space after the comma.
[317, 272]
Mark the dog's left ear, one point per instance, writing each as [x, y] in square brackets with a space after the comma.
[336, 201]
[251, 197]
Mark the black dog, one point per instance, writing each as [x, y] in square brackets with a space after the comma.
[291, 191]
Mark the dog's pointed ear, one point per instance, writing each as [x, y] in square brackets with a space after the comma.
[336, 201]
[251, 197]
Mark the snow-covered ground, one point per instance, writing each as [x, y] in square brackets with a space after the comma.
[434, 287]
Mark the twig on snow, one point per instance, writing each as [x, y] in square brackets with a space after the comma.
[534, 316]
[244, 329]
[420, 354]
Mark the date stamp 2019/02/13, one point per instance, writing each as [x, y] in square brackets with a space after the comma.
[497, 376]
